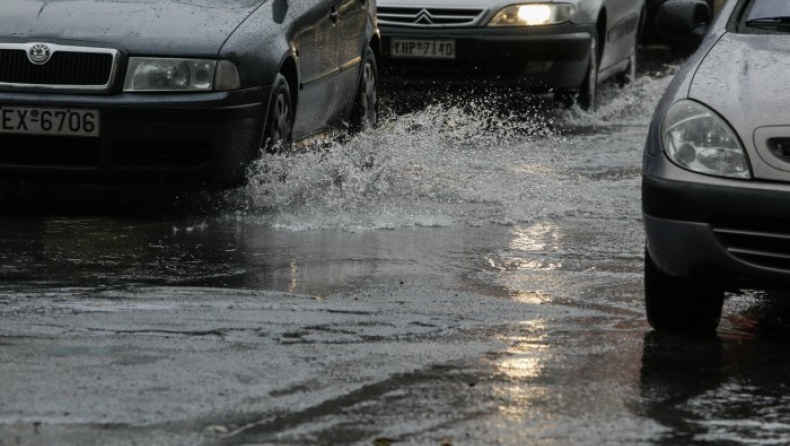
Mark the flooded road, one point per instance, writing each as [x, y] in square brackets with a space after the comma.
[470, 274]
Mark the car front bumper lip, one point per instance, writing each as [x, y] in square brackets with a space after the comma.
[190, 133]
[504, 56]
[726, 232]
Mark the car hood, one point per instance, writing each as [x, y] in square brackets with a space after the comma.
[152, 27]
[744, 78]
[446, 3]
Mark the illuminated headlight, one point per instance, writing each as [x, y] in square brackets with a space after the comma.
[162, 74]
[534, 14]
[697, 139]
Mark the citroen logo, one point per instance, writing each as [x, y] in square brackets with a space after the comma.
[39, 54]
[424, 18]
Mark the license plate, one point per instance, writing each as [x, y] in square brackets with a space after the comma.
[423, 49]
[49, 121]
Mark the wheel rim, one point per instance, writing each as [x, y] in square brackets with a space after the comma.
[281, 120]
[369, 97]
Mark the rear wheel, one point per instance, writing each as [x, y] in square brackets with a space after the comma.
[279, 126]
[680, 305]
[365, 112]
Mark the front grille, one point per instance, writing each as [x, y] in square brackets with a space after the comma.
[764, 243]
[69, 68]
[429, 17]
[49, 151]
[65, 68]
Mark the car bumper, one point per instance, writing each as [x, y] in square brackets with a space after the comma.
[195, 134]
[553, 58]
[724, 232]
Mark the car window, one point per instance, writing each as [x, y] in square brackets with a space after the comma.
[766, 16]
[768, 9]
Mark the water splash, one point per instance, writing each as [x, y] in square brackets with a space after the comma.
[470, 158]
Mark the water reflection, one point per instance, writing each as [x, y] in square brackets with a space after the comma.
[530, 247]
[537, 237]
[726, 389]
[521, 366]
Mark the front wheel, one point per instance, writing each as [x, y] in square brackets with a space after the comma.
[679, 305]
[588, 91]
[279, 122]
[365, 111]
[585, 96]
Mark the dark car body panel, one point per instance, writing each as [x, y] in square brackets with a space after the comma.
[150, 28]
[320, 54]
[651, 35]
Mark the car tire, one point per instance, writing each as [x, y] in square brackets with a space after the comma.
[365, 111]
[588, 92]
[278, 131]
[679, 305]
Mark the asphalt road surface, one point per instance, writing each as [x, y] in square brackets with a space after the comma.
[469, 274]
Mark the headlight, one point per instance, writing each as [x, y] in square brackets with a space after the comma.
[697, 139]
[534, 14]
[162, 74]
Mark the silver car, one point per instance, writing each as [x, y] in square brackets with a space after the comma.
[568, 46]
[716, 174]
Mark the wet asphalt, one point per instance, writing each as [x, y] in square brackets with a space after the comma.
[470, 276]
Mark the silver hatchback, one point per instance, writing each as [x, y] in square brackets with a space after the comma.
[716, 172]
[568, 46]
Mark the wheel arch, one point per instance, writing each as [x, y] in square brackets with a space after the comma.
[289, 69]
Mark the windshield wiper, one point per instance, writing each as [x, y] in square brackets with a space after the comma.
[770, 21]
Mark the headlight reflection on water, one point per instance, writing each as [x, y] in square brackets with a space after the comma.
[537, 238]
[525, 358]
[520, 365]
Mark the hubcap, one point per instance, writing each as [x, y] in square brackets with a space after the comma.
[281, 120]
[369, 97]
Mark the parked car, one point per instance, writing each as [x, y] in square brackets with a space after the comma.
[716, 173]
[190, 87]
[569, 47]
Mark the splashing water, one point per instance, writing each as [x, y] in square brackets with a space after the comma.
[465, 159]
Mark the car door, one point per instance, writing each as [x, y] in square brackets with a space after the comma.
[318, 66]
[622, 27]
[352, 42]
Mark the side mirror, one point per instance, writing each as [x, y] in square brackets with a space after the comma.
[684, 20]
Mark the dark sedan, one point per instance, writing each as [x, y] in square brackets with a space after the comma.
[716, 174]
[108, 88]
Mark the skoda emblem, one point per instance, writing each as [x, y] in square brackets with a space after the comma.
[39, 54]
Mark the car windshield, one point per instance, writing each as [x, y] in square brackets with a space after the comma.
[768, 12]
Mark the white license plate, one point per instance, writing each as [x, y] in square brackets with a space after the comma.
[423, 49]
[49, 121]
